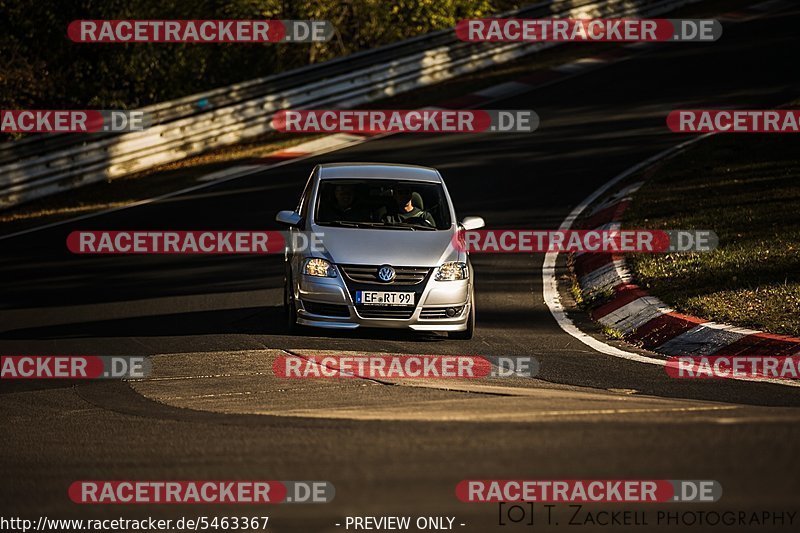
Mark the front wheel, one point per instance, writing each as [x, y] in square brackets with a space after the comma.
[290, 308]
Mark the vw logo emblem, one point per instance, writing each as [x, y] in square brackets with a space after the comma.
[386, 273]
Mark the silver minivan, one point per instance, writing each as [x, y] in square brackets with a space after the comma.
[379, 249]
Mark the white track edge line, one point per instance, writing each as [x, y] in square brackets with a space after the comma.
[550, 282]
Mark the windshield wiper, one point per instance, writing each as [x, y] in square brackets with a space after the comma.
[339, 223]
[348, 224]
[409, 225]
[393, 225]
[421, 226]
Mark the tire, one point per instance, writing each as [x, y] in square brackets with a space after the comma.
[290, 308]
[470, 331]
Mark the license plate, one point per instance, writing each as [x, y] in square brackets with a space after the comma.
[384, 298]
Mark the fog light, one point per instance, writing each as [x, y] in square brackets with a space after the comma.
[450, 312]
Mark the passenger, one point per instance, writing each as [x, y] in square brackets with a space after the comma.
[404, 211]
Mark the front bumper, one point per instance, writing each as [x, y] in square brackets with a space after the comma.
[329, 303]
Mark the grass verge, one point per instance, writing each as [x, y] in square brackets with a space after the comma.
[747, 189]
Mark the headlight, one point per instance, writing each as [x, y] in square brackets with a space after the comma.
[319, 268]
[452, 271]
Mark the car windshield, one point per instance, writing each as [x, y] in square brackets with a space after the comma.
[382, 204]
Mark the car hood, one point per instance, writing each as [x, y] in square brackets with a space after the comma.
[351, 246]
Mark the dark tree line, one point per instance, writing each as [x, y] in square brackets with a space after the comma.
[41, 68]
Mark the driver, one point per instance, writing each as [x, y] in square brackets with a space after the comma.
[344, 205]
[404, 211]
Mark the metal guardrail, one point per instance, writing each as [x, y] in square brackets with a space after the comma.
[44, 165]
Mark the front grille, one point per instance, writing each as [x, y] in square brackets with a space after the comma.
[439, 312]
[316, 308]
[369, 274]
[385, 312]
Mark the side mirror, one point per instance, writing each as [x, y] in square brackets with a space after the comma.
[470, 223]
[290, 218]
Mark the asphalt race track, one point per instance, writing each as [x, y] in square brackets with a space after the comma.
[215, 411]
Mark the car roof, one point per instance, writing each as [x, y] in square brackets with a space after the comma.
[378, 171]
